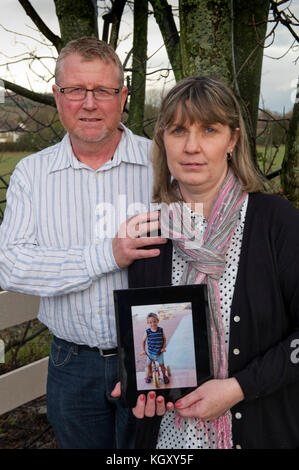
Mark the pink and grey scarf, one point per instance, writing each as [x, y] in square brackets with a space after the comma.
[206, 265]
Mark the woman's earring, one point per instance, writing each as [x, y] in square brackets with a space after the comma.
[229, 155]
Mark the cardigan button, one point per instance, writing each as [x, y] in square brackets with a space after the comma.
[237, 318]
[238, 446]
[236, 351]
[238, 415]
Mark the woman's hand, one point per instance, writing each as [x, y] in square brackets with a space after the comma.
[211, 400]
[146, 406]
[151, 405]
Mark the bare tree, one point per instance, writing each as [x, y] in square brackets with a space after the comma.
[224, 38]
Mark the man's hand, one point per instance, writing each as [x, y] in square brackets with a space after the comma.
[131, 238]
[211, 400]
[116, 392]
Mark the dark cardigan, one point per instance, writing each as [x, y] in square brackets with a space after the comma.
[266, 300]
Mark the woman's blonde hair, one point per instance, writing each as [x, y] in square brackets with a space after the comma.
[209, 101]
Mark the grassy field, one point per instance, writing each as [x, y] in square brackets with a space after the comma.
[25, 343]
[266, 156]
[8, 161]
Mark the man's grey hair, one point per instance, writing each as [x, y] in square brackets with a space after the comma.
[89, 48]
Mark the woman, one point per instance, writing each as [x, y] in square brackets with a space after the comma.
[247, 252]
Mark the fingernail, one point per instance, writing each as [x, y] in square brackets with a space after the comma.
[152, 395]
[178, 404]
[160, 399]
[142, 397]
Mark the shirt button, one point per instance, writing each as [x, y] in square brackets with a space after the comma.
[237, 319]
[238, 415]
[236, 351]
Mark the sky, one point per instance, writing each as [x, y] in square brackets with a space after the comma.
[279, 77]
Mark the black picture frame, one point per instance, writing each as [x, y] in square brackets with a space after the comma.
[191, 359]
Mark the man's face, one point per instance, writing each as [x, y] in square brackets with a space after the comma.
[89, 120]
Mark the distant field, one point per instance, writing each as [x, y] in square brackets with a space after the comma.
[8, 161]
[270, 153]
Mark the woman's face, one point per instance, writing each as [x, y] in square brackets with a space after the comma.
[196, 154]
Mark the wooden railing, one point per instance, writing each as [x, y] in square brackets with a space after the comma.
[28, 382]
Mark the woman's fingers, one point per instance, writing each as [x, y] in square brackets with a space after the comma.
[150, 406]
[139, 409]
[160, 406]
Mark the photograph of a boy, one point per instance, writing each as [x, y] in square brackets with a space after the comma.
[155, 339]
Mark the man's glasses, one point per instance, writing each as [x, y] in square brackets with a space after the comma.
[102, 93]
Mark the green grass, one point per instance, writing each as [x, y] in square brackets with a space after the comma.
[264, 160]
[33, 350]
[8, 161]
[270, 160]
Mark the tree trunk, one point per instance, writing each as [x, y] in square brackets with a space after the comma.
[118, 8]
[113, 18]
[290, 166]
[164, 18]
[137, 92]
[249, 31]
[206, 38]
[225, 39]
[76, 19]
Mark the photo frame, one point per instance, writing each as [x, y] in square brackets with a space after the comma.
[182, 313]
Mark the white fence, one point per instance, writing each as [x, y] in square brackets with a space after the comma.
[28, 382]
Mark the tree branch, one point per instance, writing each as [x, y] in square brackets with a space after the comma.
[31, 95]
[25, 339]
[33, 15]
[278, 15]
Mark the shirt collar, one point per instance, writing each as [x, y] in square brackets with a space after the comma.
[128, 150]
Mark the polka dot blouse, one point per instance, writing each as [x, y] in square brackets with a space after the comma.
[187, 435]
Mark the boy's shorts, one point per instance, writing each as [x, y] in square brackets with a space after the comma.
[160, 358]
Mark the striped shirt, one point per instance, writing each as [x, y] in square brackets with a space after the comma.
[155, 340]
[56, 236]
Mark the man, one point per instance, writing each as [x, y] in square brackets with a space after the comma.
[54, 242]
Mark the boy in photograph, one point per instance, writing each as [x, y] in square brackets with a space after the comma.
[156, 343]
